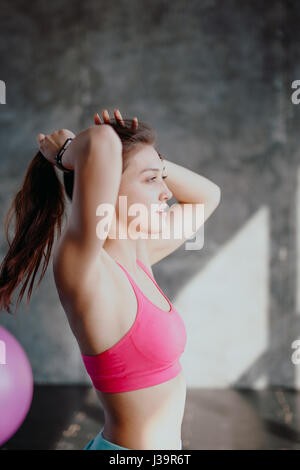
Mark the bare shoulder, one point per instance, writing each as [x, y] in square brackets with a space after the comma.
[80, 283]
[72, 272]
[78, 280]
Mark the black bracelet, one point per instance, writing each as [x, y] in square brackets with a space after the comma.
[58, 157]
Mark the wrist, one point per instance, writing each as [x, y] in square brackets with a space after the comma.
[62, 163]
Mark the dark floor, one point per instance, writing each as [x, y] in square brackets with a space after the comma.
[67, 417]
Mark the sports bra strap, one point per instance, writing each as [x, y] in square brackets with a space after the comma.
[146, 269]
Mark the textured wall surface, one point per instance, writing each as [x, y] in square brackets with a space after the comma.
[214, 79]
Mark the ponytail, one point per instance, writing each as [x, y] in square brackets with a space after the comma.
[38, 208]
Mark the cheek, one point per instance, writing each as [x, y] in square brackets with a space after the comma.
[139, 193]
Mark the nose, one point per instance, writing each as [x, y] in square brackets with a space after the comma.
[166, 194]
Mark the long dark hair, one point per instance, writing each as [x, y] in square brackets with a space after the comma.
[39, 208]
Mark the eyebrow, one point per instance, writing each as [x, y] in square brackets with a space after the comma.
[152, 169]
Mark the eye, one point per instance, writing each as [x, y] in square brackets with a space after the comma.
[154, 177]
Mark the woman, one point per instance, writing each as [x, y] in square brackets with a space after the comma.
[130, 335]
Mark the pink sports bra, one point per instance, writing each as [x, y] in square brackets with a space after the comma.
[148, 354]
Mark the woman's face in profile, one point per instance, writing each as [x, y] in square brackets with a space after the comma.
[143, 189]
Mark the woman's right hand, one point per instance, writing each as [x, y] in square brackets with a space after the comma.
[49, 145]
[118, 117]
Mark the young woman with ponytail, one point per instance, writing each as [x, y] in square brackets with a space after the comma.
[129, 334]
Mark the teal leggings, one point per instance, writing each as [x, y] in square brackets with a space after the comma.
[99, 443]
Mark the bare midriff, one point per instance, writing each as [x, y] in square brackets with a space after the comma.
[148, 418]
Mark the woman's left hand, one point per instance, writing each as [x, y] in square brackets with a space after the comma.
[50, 144]
[118, 117]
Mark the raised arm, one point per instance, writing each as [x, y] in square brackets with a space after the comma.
[95, 155]
[97, 176]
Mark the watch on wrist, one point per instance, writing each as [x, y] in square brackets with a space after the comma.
[59, 155]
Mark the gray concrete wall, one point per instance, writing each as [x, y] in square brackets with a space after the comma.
[214, 79]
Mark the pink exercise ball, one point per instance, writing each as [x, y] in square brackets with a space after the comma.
[16, 385]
